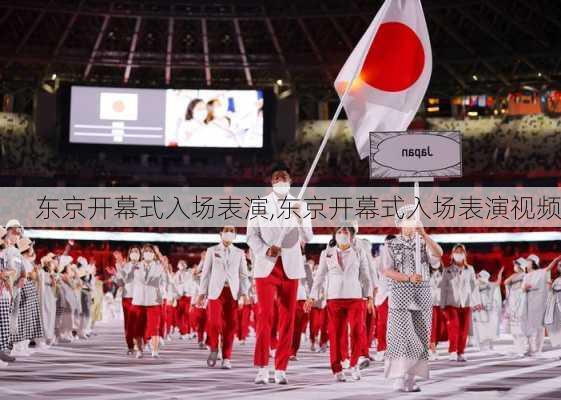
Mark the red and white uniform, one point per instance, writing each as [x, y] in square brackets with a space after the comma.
[185, 290]
[147, 299]
[224, 279]
[459, 293]
[276, 278]
[124, 278]
[381, 304]
[349, 283]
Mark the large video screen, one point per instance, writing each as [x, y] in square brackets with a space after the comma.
[167, 117]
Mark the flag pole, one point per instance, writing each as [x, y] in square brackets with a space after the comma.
[336, 116]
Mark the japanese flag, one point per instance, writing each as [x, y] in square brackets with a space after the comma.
[118, 106]
[392, 65]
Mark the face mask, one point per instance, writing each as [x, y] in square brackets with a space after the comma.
[435, 266]
[148, 255]
[228, 236]
[219, 112]
[135, 256]
[281, 188]
[484, 280]
[200, 115]
[342, 239]
[458, 257]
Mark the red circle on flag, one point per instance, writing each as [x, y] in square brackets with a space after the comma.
[395, 60]
[118, 106]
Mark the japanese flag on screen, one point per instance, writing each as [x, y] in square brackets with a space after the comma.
[392, 64]
[118, 106]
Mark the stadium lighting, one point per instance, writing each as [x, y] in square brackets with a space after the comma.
[53, 77]
[539, 74]
[475, 78]
[279, 82]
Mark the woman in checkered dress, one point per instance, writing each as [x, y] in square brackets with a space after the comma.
[5, 308]
[29, 310]
[410, 303]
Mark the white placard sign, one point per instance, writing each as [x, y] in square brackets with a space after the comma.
[415, 154]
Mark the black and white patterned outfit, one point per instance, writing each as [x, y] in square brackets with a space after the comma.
[29, 311]
[5, 309]
[410, 310]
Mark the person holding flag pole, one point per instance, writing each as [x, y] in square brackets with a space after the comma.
[381, 86]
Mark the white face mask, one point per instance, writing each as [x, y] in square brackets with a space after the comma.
[435, 266]
[342, 239]
[219, 112]
[148, 255]
[228, 236]
[281, 188]
[135, 256]
[200, 115]
[458, 257]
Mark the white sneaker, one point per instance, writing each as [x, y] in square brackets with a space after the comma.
[399, 384]
[433, 356]
[340, 377]
[155, 354]
[139, 354]
[363, 362]
[183, 337]
[226, 364]
[462, 358]
[346, 364]
[280, 378]
[379, 356]
[453, 357]
[355, 373]
[410, 385]
[19, 353]
[262, 377]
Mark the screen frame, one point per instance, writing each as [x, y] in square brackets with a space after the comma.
[64, 94]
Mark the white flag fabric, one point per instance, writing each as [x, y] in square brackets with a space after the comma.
[392, 66]
[118, 106]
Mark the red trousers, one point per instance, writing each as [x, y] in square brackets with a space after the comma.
[275, 286]
[458, 320]
[342, 314]
[274, 326]
[370, 327]
[171, 316]
[244, 315]
[438, 328]
[129, 322]
[221, 321]
[198, 322]
[146, 321]
[381, 326]
[300, 321]
[183, 308]
[318, 325]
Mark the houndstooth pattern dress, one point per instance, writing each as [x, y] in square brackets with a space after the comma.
[29, 314]
[410, 311]
[5, 311]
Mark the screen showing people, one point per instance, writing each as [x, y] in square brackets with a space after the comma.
[167, 117]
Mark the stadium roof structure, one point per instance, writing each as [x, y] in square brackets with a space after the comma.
[479, 46]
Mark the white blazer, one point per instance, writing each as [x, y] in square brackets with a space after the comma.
[147, 284]
[184, 283]
[224, 265]
[350, 281]
[458, 287]
[125, 277]
[268, 229]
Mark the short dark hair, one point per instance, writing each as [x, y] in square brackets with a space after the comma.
[192, 104]
[279, 166]
[389, 237]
